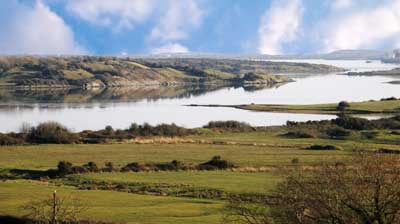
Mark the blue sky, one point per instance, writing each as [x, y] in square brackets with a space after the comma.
[122, 27]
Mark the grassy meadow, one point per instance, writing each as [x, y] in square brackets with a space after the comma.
[263, 158]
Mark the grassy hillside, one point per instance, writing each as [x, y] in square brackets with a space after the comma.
[92, 71]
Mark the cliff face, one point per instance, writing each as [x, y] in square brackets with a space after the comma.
[98, 72]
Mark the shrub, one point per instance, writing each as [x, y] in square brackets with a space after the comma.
[295, 161]
[6, 139]
[389, 99]
[229, 125]
[79, 169]
[146, 129]
[135, 167]
[64, 168]
[342, 105]
[388, 151]
[338, 133]
[298, 134]
[51, 132]
[216, 163]
[370, 134]
[109, 129]
[91, 167]
[395, 132]
[109, 167]
[323, 147]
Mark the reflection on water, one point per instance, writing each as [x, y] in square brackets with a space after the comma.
[75, 98]
[95, 109]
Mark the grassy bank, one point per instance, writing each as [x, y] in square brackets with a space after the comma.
[355, 108]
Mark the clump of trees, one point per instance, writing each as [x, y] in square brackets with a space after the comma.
[368, 191]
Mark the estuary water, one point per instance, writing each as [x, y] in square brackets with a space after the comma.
[82, 110]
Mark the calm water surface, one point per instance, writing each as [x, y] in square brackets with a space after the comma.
[119, 108]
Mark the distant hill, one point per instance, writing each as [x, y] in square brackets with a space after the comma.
[355, 55]
[335, 55]
[99, 71]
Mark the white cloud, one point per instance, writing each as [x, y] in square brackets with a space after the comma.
[34, 29]
[342, 4]
[279, 25]
[174, 19]
[170, 48]
[358, 27]
[179, 18]
[118, 14]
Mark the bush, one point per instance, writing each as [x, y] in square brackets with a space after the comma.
[369, 134]
[51, 132]
[298, 134]
[295, 161]
[91, 167]
[8, 139]
[388, 151]
[229, 125]
[342, 105]
[323, 147]
[64, 168]
[389, 99]
[169, 130]
[109, 167]
[135, 167]
[216, 163]
[338, 133]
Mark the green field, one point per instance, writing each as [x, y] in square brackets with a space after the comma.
[235, 182]
[266, 150]
[41, 157]
[113, 206]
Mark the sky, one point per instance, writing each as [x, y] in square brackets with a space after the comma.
[126, 27]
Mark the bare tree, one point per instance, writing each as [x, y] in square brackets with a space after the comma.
[367, 191]
[55, 210]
